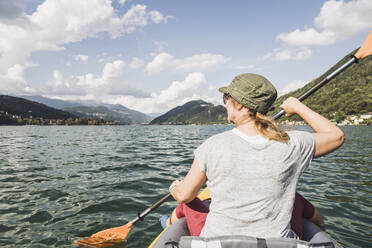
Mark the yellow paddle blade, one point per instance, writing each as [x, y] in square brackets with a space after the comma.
[366, 48]
[205, 194]
[105, 238]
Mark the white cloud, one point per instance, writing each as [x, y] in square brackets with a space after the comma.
[160, 63]
[122, 2]
[289, 54]
[136, 63]
[137, 16]
[109, 82]
[249, 67]
[245, 67]
[158, 17]
[58, 22]
[113, 70]
[294, 85]
[81, 57]
[178, 90]
[165, 61]
[309, 37]
[336, 21]
[110, 87]
[193, 87]
[161, 47]
[13, 81]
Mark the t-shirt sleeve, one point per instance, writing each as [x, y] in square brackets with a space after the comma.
[305, 142]
[201, 156]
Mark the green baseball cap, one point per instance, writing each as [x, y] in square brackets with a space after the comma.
[252, 91]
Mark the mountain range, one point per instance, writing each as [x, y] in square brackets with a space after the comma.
[14, 109]
[93, 110]
[119, 113]
[54, 103]
[193, 112]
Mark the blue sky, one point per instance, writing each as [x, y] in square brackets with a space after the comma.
[152, 56]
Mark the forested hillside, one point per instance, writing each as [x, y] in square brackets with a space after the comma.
[20, 111]
[193, 112]
[118, 113]
[25, 108]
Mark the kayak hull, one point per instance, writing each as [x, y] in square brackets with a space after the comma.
[313, 235]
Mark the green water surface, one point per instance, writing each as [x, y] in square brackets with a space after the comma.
[58, 183]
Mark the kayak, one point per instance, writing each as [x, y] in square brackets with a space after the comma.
[177, 235]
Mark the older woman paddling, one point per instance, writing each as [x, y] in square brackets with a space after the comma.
[252, 171]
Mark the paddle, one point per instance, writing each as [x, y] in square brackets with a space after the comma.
[364, 51]
[116, 235]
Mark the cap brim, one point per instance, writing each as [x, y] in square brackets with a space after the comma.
[224, 89]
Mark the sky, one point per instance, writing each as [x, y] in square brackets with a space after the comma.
[152, 56]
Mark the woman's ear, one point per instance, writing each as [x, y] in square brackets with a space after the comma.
[236, 105]
[239, 106]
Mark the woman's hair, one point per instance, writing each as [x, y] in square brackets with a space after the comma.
[267, 127]
[264, 125]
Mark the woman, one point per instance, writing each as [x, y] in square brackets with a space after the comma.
[252, 171]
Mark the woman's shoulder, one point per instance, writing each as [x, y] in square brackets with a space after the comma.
[218, 138]
[302, 138]
[221, 136]
[297, 134]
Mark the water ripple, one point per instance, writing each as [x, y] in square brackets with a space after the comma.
[61, 183]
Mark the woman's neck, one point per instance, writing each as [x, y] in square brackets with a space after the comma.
[247, 126]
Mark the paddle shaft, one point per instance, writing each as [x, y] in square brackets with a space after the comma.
[150, 209]
[320, 84]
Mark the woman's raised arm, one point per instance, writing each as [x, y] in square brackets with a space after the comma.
[328, 137]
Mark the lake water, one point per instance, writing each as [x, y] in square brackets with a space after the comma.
[58, 183]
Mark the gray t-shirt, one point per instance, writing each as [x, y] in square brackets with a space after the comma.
[252, 182]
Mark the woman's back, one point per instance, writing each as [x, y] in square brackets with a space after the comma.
[252, 182]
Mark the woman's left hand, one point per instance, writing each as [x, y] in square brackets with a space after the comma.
[185, 190]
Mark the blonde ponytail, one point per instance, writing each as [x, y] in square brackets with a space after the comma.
[267, 127]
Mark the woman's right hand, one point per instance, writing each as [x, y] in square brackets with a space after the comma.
[291, 106]
[328, 136]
